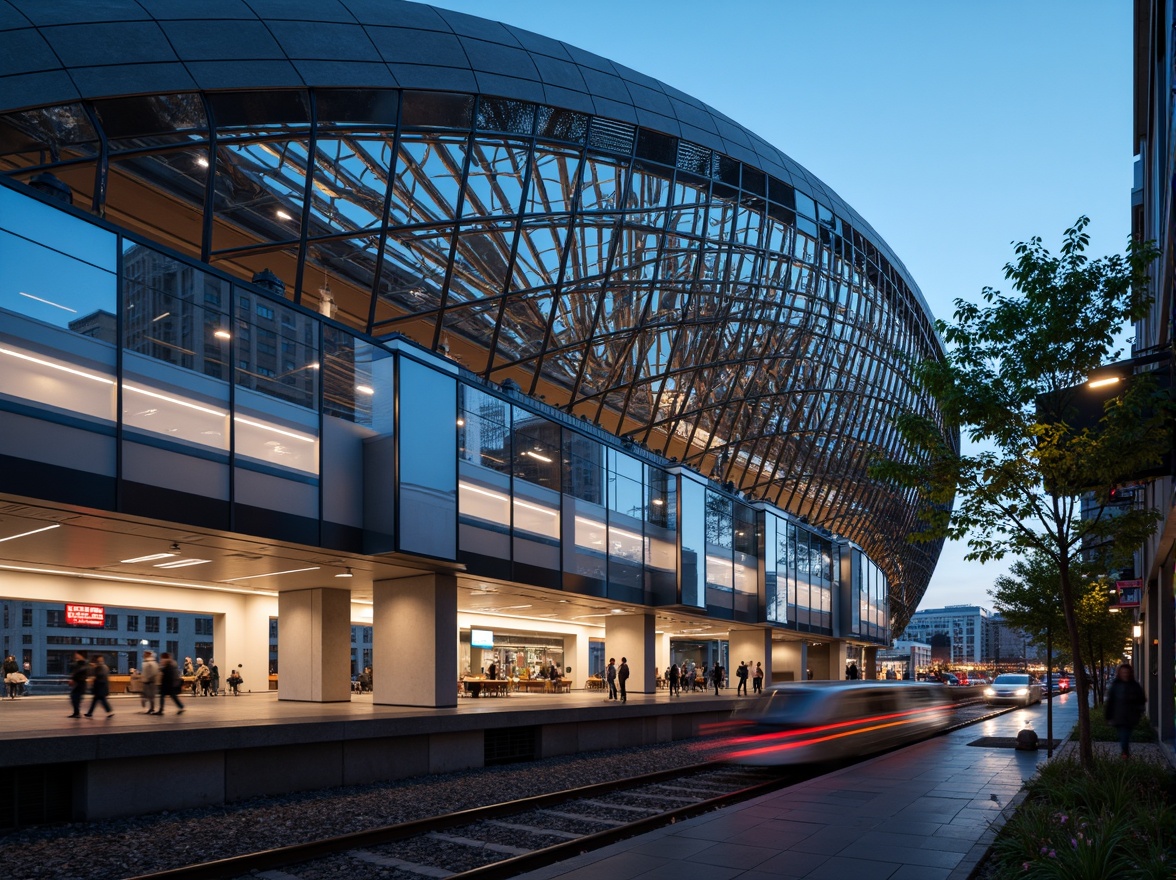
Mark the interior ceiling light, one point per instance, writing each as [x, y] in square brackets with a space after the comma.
[33, 532]
[282, 215]
[202, 161]
[150, 558]
[48, 302]
[365, 389]
[345, 574]
[182, 563]
[268, 574]
[223, 334]
[92, 575]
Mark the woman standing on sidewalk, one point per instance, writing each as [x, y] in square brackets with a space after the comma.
[1124, 705]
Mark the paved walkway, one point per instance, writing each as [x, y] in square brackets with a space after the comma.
[924, 812]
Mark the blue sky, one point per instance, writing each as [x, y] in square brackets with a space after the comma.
[953, 128]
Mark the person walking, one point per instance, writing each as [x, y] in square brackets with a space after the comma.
[100, 687]
[10, 666]
[171, 682]
[675, 680]
[717, 677]
[757, 678]
[79, 671]
[492, 672]
[213, 676]
[1124, 705]
[622, 677]
[149, 675]
[742, 673]
[610, 676]
[852, 672]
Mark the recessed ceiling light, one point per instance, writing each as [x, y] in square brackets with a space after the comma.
[202, 161]
[282, 215]
[222, 334]
[365, 389]
[33, 532]
[345, 574]
[182, 563]
[150, 558]
[272, 574]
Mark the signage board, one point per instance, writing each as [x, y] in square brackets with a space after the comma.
[85, 615]
[481, 638]
[1130, 593]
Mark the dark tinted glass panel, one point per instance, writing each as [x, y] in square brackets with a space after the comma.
[437, 110]
[151, 114]
[269, 109]
[363, 106]
[503, 114]
[657, 147]
[428, 460]
[562, 125]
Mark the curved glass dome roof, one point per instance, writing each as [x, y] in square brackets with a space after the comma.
[537, 212]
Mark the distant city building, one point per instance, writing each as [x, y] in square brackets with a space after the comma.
[1010, 644]
[907, 659]
[966, 625]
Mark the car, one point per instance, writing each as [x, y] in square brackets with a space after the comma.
[1058, 683]
[977, 681]
[1014, 687]
[964, 681]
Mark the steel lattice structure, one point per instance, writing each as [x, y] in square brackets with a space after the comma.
[641, 261]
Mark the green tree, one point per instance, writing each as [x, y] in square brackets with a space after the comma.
[1028, 599]
[1021, 490]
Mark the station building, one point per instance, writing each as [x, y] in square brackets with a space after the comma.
[342, 315]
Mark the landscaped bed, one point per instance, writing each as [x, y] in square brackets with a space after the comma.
[1116, 821]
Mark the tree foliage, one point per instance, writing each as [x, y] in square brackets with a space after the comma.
[1028, 599]
[1018, 485]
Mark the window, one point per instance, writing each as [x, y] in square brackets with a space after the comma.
[173, 624]
[26, 617]
[265, 312]
[152, 624]
[203, 626]
[133, 623]
[173, 648]
[111, 621]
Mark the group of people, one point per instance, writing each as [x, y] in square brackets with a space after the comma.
[155, 682]
[205, 677]
[686, 675]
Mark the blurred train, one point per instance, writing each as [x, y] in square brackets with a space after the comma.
[806, 722]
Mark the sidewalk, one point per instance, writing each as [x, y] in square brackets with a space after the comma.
[925, 812]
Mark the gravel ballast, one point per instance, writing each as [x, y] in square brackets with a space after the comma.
[119, 848]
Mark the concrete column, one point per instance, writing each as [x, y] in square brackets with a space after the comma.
[751, 646]
[870, 663]
[240, 636]
[662, 652]
[633, 636]
[314, 645]
[414, 641]
[576, 656]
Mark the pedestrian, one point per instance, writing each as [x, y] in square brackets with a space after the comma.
[717, 677]
[150, 676]
[757, 678]
[190, 672]
[79, 671]
[675, 680]
[610, 676]
[492, 672]
[742, 673]
[171, 682]
[235, 682]
[100, 687]
[622, 677]
[213, 677]
[10, 666]
[1124, 705]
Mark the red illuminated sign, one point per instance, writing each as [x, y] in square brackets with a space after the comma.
[1130, 593]
[85, 615]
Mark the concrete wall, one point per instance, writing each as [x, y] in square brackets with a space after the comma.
[789, 661]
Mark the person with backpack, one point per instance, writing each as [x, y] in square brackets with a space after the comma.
[610, 676]
[742, 673]
[757, 679]
[171, 682]
[622, 677]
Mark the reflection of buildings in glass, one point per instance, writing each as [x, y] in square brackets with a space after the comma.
[967, 627]
[100, 325]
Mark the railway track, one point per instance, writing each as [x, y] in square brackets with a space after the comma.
[506, 839]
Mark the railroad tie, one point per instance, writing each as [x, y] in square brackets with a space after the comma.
[580, 817]
[535, 829]
[482, 844]
[391, 862]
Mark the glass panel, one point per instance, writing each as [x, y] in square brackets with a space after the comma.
[428, 460]
[276, 433]
[276, 349]
[259, 192]
[584, 470]
[357, 380]
[536, 450]
[484, 431]
[70, 235]
[56, 289]
[693, 507]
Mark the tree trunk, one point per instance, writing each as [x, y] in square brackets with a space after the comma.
[1085, 749]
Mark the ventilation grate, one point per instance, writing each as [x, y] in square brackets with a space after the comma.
[511, 745]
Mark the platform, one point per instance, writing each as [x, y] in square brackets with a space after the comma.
[225, 749]
[924, 812]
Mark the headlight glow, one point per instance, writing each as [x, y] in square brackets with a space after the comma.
[1022, 692]
[989, 692]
